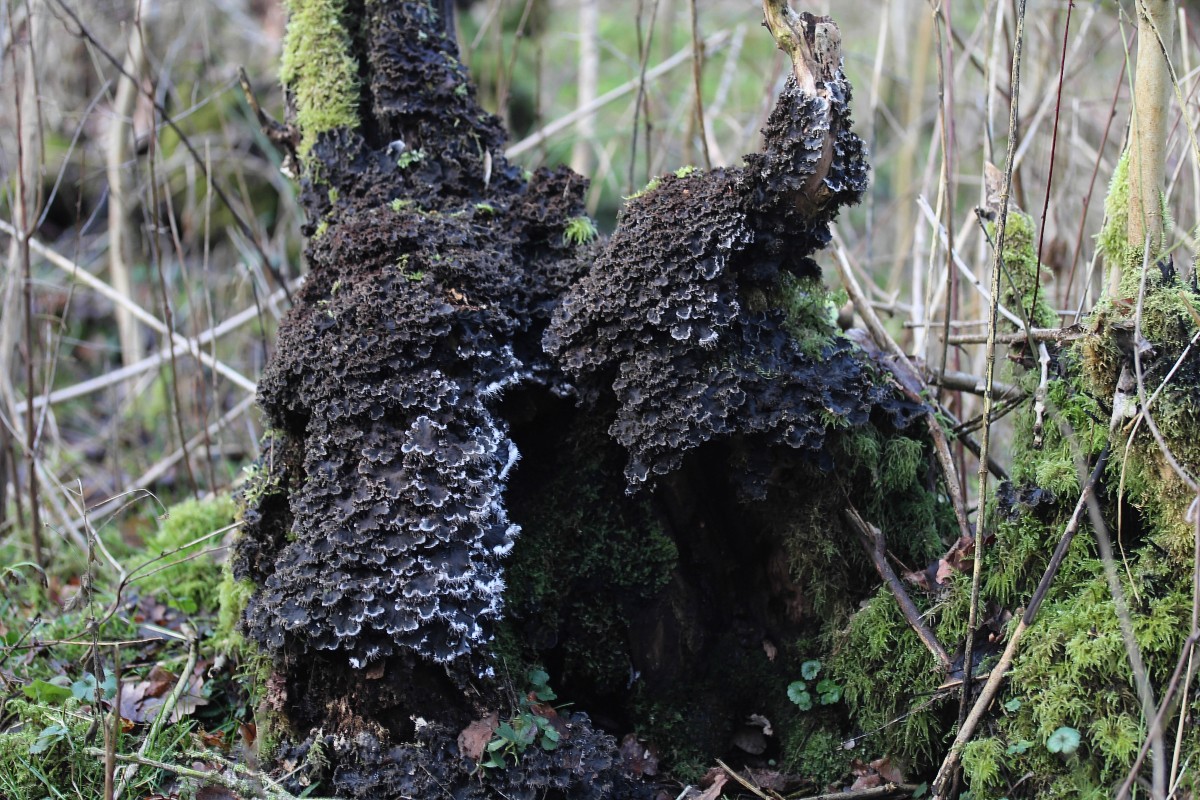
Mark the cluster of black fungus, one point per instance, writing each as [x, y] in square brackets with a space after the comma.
[677, 316]
[434, 267]
[585, 766]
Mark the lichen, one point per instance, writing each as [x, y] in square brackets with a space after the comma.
[319, 69]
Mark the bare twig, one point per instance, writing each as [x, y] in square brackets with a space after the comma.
[91, 281]
[120, 185]
[83, 32]
[965, 382]
[990, 367]
[873, 542]
[697, 73]
[907, 378]
[711, 45]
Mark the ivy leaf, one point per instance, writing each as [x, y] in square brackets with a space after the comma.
[1065, 740]
[810, 669]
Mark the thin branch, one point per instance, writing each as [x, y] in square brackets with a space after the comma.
[164, 713]
[909, 380]
[218, 189]
[92, 282]
[989, 385]
[873, 542]
[711, 45]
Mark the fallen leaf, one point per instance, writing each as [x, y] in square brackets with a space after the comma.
[713, 791]
[889, 771]
[216, 793]
[473, 739]
[638, 759]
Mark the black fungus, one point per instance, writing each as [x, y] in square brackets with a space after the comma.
[673, 316]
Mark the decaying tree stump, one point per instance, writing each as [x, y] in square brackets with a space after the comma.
[495, 444]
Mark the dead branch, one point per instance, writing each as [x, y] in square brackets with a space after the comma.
[873, 542]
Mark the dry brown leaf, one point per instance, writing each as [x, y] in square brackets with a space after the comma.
[719, 779]
[473, 739]
[889, 771]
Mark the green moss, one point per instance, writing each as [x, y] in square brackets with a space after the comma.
[1112, 241]
[687, 171]
[579, 231]
[190, 585]
[232, 595]
[410, 157]
[653, 184]
[815, 751]
[319, 69]
[585, 562]
[1022, 271]
[811, 316]
[889, 678]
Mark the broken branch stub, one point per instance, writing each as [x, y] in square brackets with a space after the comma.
[814, 44]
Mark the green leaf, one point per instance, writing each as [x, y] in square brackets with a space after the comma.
[801, 698]
[1065, 740]
[551, 734]
[85, 688]
[795, 689]
[549, 744]
[1012, 705]
[830, 692]
[49, 737]
[545, 694]
[1019, 747]
[495, 744]
[810, 669]
[538, 677]
[507, 732]
[921, 790]
[44, 692]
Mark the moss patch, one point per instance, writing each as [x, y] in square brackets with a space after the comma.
[191, 581]
[319, 69]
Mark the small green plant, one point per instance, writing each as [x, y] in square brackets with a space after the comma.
[579, 231]
[485, 208]
[1065, 741]
[410, 157]
[827, 691]
[401, 203]
[526, 728]
[684, 172]
[649, 187]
